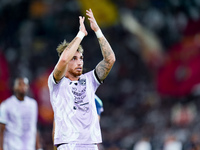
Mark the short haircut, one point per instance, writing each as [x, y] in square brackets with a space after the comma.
[62, 46]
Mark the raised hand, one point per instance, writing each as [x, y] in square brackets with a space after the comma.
[82, 26]
[93, 24]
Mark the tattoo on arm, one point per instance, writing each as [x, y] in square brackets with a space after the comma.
[57, 74]
[105, 48]
[102, 70]
[104, 67]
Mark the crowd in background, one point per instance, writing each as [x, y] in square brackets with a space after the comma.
[137, 97]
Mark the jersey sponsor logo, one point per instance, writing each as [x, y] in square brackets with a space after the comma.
[79, 92]
[82, 82]
[79, 99]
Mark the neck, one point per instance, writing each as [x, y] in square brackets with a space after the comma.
[72, 77]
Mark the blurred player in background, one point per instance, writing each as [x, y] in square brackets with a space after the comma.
[18, 119]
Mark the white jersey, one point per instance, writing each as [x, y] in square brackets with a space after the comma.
[75, 114]
[20, 118]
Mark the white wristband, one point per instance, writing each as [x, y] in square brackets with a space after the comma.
[80, 35]
[99, 34]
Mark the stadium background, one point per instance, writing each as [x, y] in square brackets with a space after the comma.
[149, 93]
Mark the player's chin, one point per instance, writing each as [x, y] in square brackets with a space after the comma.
[22, 91]
[78, 73]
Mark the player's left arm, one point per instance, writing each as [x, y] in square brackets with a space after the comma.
[104, 66]
[38, 141]
[53, 133]
[2, 129]
[3, 122]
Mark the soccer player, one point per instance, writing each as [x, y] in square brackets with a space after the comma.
[72, 93]
[18, 119]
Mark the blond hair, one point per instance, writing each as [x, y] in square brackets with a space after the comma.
[62, 46]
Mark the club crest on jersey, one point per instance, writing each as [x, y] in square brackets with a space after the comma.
[82, 82]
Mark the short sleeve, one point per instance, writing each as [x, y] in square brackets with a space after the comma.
[94, 81]
[3, 116]
[51, 81]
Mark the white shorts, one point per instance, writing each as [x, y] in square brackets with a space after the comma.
[73, 146]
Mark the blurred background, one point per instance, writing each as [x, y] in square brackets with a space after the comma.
[152, 93]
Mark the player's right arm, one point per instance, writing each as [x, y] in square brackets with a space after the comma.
[3, 121]
[53, 132]
[2, 129]
[68, 53]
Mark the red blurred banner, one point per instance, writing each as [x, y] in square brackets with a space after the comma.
[5, 92]
[181, 71]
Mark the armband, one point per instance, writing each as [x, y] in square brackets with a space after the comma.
[99, 34]
[80, 35]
